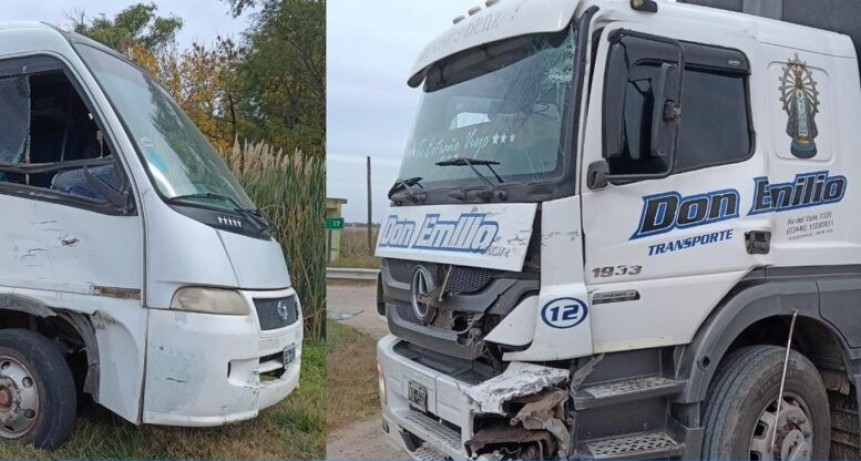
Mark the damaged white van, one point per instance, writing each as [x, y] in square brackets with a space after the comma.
[133, 266]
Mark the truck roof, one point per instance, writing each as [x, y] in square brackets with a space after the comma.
[511, 18]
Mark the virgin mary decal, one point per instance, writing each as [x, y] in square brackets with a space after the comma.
[801, 102]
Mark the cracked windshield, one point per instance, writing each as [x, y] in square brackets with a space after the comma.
[503, 103]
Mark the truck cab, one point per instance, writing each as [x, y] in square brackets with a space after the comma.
[133, 266]
[624, 230]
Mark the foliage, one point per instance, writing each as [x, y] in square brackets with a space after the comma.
[133, 30]
[291, 190]
[283, 74]
[270, 87]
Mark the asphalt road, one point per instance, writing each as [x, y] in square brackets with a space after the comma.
[354, 304]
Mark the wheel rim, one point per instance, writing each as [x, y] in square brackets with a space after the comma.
[794, 438]
[19, 398]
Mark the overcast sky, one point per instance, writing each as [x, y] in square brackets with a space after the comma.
[203, 19]
[371, 47]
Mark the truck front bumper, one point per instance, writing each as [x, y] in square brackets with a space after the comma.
[446, 425]
[209, 370]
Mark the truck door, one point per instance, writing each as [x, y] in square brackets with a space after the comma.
[668, 172]
[71, 237]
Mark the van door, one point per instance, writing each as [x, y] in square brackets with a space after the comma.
[667, 236]
[70, 236]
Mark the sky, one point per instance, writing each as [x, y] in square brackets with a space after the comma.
[371, 47]
[203, 20]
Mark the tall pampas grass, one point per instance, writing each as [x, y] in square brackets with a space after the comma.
[290, 188]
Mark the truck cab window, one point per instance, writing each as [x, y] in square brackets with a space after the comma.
[715, 120]
[50, 139]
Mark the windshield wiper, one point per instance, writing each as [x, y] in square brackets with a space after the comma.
[407, 185]
[256, 217]
[494, 190]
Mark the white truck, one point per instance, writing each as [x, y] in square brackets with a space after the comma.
[133, 266]
[625, 229]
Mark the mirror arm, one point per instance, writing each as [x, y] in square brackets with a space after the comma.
[119, 199]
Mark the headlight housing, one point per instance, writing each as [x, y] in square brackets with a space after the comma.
[209, 301]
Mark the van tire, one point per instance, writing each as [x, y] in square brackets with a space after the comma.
[742, 400]
[28, 351]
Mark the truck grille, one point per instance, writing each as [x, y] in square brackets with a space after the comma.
[274, 313]
[445, 320]
[463, 280]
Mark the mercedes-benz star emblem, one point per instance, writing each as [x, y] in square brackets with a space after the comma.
[282, 311]
[421, 286]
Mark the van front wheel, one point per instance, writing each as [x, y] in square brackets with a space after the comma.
[742, 419]
[38, 398]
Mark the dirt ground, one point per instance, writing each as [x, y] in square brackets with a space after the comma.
[354, 304]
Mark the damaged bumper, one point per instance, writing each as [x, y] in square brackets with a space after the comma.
[429, 413]
[208, 370]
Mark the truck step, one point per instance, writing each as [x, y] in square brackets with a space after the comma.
[628, 390]
[641, 445]
[426, 453]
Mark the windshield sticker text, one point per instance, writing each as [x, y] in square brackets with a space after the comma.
[807, 190]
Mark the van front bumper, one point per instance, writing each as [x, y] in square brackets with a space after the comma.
[209, 370]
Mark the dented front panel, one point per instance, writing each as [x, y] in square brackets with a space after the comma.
[206, 370]
[80, 260]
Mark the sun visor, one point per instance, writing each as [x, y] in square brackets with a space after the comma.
[502, 20]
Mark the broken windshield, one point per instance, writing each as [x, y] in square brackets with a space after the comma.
[503, 102]
[180, 160]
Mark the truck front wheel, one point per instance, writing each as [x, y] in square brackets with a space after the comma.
[742, 420]
[38, 398]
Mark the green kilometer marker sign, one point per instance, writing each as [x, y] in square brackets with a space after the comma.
[334, 223]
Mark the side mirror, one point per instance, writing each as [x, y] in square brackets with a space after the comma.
[666, 114]
[118, 197]
[665, 90]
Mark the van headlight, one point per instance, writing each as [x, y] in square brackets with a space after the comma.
[209, 301]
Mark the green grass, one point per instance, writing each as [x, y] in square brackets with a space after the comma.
[354, 249]
[293, 429]
[352, 376]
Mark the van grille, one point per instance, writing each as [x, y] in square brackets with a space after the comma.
[274, 313]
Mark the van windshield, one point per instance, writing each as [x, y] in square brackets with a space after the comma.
[181, 162]
[501, 105]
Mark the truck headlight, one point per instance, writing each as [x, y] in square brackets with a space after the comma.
[209, 301]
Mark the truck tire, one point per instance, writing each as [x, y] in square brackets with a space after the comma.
[741, 408]
[38, 398]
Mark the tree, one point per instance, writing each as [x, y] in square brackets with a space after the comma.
[134, 29]
[282, 78]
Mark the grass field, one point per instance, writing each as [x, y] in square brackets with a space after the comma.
[354, 249]
[295, 428]
[352, 376]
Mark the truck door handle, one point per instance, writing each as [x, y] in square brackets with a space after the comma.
[758, 242]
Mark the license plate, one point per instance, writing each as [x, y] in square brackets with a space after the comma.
[418, 396]
[289, 355]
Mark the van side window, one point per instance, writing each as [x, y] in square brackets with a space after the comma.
[49, 139]
[715, 127]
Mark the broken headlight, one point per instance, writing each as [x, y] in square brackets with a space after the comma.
[209, 301]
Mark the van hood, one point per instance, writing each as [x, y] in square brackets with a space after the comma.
[259, 264]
